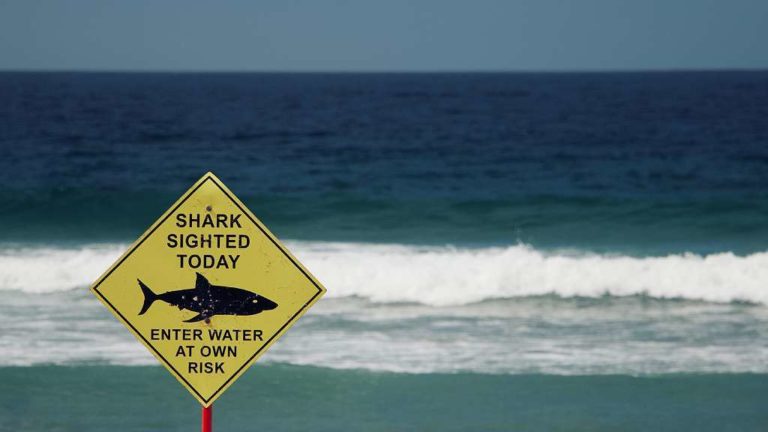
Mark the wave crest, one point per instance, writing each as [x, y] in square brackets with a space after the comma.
[445, 276]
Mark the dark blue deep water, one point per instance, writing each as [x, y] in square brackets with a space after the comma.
[634, 162]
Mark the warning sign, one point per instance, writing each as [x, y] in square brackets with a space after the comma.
[207, 289]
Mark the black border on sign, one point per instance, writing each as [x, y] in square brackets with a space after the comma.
[149, 234]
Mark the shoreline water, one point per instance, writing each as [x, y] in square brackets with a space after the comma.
[282, 397]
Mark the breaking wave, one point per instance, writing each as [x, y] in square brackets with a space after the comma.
[444, 276]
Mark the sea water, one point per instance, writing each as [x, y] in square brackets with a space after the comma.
[501, 251]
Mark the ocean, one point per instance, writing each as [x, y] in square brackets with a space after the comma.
[521, 251]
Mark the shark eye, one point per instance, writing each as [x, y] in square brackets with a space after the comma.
[255, 301]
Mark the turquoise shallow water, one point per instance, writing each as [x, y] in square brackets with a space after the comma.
[293, 398]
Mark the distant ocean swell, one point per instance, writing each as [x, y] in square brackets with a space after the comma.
[444, 276]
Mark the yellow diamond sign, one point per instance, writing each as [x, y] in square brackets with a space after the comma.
[207, 289]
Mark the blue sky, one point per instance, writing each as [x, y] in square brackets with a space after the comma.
[383, 35]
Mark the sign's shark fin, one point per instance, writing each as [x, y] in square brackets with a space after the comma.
[201, 283]
[196, 318]
[149, 297]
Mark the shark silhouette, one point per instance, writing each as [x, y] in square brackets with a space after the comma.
[209, 300]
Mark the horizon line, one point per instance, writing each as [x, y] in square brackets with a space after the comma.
[384, 71]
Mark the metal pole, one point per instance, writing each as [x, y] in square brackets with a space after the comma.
[208, 418]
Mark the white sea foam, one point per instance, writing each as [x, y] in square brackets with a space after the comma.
[48, 269]
[444, 276]
[60, 322]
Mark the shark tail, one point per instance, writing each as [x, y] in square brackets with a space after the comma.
[149, 297]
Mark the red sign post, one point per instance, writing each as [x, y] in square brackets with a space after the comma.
[208, 418]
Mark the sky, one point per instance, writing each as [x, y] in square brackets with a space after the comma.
[383, 35]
